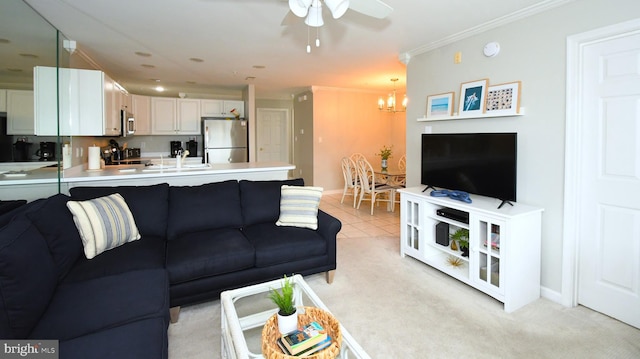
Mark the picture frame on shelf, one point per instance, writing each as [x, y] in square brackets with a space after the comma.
[473, 98]
[504, 99]
[440, 105]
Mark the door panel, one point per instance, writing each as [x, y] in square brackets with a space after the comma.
[609, 219]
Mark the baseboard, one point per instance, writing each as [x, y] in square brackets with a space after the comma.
[552, 295]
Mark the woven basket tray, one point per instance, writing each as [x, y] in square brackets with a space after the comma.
[270, 334]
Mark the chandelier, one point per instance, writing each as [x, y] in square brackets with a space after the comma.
[390, 104]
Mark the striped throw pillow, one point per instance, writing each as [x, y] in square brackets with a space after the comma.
[299, 206]
[103, 223]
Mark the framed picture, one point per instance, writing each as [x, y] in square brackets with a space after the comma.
[504, 99]
[473, 97]
[440, 105]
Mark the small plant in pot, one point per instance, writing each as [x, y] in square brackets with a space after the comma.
[462, 236]
[287, 314]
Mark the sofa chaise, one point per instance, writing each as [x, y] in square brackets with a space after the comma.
[190, 244]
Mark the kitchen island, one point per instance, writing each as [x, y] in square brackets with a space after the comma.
[43, 182]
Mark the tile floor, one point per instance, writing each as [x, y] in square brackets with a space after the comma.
[360, 222]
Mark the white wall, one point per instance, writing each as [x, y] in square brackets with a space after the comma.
[533, 50]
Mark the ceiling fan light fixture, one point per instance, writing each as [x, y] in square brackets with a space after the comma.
[299, 7]
[314, 18]
[337, 7]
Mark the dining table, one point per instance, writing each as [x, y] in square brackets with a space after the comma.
[393, 177]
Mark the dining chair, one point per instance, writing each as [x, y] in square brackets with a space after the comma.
[355, 157]
[401, 181]
[351, 183]
[369, 187]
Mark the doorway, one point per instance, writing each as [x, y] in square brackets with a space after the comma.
[602, 172]
[273, 136]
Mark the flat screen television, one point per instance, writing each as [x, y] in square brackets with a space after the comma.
[478, 163]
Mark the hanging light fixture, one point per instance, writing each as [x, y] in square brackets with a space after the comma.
[390, 104]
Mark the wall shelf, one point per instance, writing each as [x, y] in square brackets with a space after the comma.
[456, 117]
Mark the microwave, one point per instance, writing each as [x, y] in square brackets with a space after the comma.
[128, 123]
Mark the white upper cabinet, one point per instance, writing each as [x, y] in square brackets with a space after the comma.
[170, 116]
[220, 108]
[3, 100]
[141, 109]
[20, 112]
[188, 121]
[89, 103]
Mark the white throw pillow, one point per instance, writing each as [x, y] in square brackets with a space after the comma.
[299, 206]
[103, 223]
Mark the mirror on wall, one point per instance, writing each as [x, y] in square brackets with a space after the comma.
[26, 40]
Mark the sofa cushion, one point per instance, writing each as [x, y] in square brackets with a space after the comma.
[275, 245]
[56, 224]
[261, 200]
[103, 223]
[208, 253]
[85, 307]
[142, 339]
[28, 278]
[205, 207]
[299, 206]
[148, 204]
[146, 253]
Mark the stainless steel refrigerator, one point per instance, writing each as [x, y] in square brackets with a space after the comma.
[224, 140]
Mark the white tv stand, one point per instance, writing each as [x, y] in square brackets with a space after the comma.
[513, 261]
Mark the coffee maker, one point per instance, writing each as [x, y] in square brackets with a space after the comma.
[47, 151]
[176, 148]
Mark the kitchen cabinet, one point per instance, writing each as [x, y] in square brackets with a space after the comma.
[3, 100]
[221, 108]
[170, 116]
[89, 103]
[20, 112]
[141, 109]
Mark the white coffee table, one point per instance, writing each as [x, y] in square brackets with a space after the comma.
[235, 328]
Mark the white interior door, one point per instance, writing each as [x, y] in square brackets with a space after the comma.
[273, 136]
[609, 215]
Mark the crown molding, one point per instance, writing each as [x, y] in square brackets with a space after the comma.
[503, 20]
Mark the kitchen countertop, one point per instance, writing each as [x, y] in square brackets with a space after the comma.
[121, 172]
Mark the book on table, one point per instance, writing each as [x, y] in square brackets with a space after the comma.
[307, 352]
[304, 338]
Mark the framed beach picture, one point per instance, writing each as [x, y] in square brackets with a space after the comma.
[440, 105]
[473, 97]
[504, 99]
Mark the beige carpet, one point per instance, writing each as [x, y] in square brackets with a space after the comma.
[400, 308]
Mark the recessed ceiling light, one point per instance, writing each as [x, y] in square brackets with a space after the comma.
[4, 41]
[148, 66]
[31, 56]
[159, 88]
[143, 54]
[195, 59]
[259, 66]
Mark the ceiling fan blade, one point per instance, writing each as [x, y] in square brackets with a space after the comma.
[373, 8]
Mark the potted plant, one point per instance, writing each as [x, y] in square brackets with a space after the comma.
[462, 237]
[385, 153]
[287, 314]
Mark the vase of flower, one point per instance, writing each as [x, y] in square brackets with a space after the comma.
[385, 153]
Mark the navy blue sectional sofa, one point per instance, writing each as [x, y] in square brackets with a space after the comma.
[197, 241]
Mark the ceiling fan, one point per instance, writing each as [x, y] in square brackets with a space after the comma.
[311, 10]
